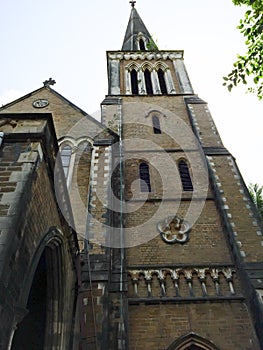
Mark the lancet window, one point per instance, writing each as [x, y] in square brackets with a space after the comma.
[185, 176]
[145, 182]
[134, 82]
[142, 45]
[162, 82]
[156, 125]
[148, 82]
[65, 153]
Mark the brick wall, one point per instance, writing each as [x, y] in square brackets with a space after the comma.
[157, 326]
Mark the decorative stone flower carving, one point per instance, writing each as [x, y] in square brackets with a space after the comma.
[174, 229]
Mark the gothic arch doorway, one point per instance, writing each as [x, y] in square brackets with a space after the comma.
[192, 341]
[42, 326]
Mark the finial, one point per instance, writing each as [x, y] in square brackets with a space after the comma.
[132, 3]
[49, 82]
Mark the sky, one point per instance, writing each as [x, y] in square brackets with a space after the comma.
[68, 41]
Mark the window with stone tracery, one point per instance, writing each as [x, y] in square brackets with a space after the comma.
[149, 79]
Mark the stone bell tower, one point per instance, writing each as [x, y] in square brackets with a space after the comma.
[187, 249]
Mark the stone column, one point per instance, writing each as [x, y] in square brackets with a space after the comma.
[155, 83]
[128, 82]
[141, 83]
[114, 77]
[182, 76]
[169, 82]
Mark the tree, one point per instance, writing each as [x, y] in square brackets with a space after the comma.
[250, 65]
[256, 193]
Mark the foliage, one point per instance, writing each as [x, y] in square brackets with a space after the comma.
[251, 63]
[151, 46]
[256, 193]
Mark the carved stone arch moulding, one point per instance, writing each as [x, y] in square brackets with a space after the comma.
[133, 65]
[67, 141]
[147, 65]
[155, 112]
[52, 238]
[184, 343]
[161, 65]
[139, 37]
[174, 229]
[50, 256]
[75, 144]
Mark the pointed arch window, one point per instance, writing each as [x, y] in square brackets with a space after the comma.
[148, 82]
[134, 82]
[65, 153]
[156, 125]
[145, 183]
[192, 341]
[185, 176]
[142, 45]
[162, 82]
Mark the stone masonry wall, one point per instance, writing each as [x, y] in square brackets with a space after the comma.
[28, 213]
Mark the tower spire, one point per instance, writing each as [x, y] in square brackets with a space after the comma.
[136, 32]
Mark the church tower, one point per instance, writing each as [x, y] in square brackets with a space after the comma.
[136, 232]
[185, 239]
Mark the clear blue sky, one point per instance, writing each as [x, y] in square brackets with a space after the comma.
[67, 41]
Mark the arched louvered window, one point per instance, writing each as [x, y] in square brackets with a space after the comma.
[65, 154]
[145, 182]
[162, 81]
[156, 125]
[134, 82]
[142, 45]
[148, 82]
[185, 176]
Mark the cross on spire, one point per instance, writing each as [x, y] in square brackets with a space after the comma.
[132, 3]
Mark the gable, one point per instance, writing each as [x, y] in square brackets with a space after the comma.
[65, 114]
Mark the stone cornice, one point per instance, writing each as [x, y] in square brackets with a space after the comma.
[145, 55]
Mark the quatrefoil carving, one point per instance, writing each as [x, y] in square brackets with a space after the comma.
[174, 229]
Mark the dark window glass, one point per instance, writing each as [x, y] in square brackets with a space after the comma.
[148, 82]
[145, 178]
[134, 82]
[142, 45]
[156, 125]
[185, 176]
[162, 81]
[65, 158]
